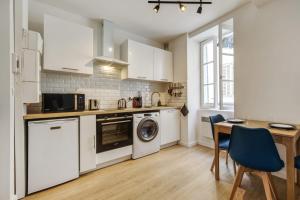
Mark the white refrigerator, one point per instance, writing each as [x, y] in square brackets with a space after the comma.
[53, 153]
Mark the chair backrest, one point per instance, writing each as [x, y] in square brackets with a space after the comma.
[215, 119]
[254, 148]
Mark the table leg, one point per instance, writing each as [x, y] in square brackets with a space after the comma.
[217, 151]
[290, 168]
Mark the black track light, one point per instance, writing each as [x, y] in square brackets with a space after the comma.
[182, 7]
[156, 8]
[199, 11]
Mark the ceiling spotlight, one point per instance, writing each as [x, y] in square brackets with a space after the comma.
[182, 7]
[199, 11]
[156, 8]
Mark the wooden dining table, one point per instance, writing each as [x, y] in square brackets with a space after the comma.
[288, 138]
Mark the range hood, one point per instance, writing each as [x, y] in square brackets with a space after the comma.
[106, 50]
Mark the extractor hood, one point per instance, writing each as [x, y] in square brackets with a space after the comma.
[106, 47]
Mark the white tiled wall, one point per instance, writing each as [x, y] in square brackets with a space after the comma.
[105, 85]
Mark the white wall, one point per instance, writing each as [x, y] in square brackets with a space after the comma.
[179, 47]
[6, 103]
[193, 89]
[267, 61]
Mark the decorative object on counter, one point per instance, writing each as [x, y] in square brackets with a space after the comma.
[122, 104]
[94, 104]
[156, 102]
[137, 102]
[175, 89]
[184, 110]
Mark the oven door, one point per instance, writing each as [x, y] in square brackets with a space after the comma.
[113, 134]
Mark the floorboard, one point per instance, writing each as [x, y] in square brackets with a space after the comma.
[175, 173]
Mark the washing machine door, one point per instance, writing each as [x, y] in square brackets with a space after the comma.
[147, 130]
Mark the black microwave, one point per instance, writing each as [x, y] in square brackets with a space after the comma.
[62, 102]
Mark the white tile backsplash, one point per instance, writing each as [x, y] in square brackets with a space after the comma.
[105, 85]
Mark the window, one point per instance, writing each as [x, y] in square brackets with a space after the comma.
[208, 65]
[217, 69]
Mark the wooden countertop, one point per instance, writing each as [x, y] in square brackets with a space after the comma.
[92, 112]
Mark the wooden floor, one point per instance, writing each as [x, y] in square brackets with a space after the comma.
[175, 173]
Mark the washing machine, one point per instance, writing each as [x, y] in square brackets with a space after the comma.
[146, 135]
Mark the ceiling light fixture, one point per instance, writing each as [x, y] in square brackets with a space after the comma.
[182, 4]
[199, 10]
[182, 7]
[156, 8]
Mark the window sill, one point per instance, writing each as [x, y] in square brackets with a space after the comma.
[216, 110]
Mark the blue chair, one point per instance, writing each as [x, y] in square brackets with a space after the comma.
[297, 162]
[224, 139]
[255, 151]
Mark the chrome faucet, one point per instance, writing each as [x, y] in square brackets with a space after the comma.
[152, 97]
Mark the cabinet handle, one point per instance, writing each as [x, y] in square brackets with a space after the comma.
[142, 77]
[67, 68]
[55, 127]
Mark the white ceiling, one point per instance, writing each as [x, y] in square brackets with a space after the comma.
[137, 16]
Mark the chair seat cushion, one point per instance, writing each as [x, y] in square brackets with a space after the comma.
[297, 162]
[224, 140]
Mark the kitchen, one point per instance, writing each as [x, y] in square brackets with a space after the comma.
[95, 94]
[105, 99]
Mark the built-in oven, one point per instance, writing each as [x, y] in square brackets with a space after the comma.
[114, 131]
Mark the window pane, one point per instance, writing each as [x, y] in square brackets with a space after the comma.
[208, 73]
[208, 52]
[228, 92]
[227, 67]
[228, 43]
[208, 94]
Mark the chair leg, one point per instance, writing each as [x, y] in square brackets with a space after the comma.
[237, 181]
[234, 167]
[273, 189]
[267, 186]
[212, 165]
[226, 157]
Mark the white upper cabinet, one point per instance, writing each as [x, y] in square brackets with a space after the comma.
[140, 59]
[68, 46]
[146, 62]
[163, 65]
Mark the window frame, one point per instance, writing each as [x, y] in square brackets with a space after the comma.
[219, 81]
[215, 81]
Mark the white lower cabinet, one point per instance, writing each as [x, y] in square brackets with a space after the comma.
[169, 126]
[87, 143]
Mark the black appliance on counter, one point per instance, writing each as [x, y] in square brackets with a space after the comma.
[62, 102]
[114, 131]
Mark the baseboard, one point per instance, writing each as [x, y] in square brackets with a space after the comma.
[203, 141]
[168, 145]
[112, 162]
[190, 144]
[14, 197]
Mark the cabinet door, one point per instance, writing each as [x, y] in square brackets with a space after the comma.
[140, 58]
[169, 126]
[87, 143]
[68, 46]
[163, 65]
